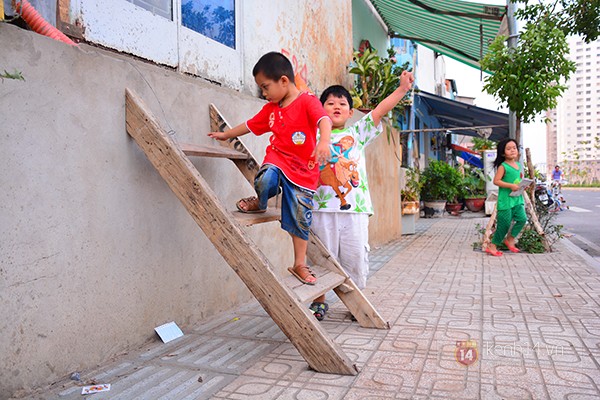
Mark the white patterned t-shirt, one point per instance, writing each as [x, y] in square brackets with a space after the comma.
[343, 184]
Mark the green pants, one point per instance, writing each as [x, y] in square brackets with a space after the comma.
[504, 219]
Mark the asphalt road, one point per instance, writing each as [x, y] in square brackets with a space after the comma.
[582, 220]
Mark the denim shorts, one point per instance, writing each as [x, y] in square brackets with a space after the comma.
[296, 202]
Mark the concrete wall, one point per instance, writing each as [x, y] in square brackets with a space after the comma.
[95, 249]
[384, 169]
[315, 35]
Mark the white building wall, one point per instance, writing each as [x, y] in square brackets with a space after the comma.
[578, 110]
[309, 33]
[425, 71]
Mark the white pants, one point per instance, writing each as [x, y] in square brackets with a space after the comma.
[346, 235]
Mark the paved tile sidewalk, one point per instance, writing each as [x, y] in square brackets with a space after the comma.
[533, 319]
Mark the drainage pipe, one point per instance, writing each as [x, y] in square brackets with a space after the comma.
[38, 24]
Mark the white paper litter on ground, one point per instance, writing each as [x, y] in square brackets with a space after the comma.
[95, 388]
[168, 332]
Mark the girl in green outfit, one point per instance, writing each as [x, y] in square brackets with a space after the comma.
[509, 208]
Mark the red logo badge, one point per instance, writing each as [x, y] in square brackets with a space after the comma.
[466, 352]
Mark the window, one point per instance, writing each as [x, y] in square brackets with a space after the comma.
[212, 18]
[159, 7]
[199, 37]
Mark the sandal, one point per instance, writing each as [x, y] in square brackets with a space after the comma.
[304, 274]
[251, 205]
[511, 248]
[493, 253]
[319, 310]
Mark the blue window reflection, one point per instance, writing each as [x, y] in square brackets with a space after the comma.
[212, 18]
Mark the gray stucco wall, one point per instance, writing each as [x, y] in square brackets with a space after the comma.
[95, 250]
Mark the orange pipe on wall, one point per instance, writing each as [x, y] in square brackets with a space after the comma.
[38, 24]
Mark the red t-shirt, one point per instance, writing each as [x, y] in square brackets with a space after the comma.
[294, 137]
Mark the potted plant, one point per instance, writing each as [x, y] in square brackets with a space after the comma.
[410, 194]
[377, 78]
[474, 184]
[440, 182]
[481, 144]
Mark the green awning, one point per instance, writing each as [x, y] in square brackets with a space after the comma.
[458, 29]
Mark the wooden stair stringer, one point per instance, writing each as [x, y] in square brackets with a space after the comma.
[352, 297]
[349, 293]
[250, 264]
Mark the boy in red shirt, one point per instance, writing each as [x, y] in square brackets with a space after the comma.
[292, 160]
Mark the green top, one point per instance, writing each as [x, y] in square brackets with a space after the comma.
[511, 175]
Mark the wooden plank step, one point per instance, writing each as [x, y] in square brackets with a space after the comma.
[198, 150]
[326, 281]
[248, 262]
[272, 214]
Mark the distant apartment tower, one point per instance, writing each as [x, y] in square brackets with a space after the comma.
[551, 149]
[573, 135]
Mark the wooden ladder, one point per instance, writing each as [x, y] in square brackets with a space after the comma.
[282, 298]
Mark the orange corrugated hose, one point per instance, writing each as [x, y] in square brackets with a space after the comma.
[38, 23]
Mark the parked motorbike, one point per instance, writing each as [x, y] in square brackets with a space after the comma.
[550, 197]
[557, 197]
[543, 195]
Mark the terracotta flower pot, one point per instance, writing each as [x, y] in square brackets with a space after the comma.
[410, 207]
[475, 204]
[453, 207]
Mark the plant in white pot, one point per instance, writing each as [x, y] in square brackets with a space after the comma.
[440, 182]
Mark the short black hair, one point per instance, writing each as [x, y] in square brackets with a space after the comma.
[336, 91]
[273, 66]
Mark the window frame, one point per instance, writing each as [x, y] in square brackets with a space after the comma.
[164, 41]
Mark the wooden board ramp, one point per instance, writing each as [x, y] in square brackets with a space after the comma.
[348, 292]
[282, 298]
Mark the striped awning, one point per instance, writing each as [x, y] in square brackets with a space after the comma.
[458, 29]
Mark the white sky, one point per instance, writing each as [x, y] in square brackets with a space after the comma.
[468, 84]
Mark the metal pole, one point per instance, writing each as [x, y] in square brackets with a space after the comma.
[512, 43]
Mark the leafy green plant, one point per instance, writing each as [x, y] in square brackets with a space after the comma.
[531, 242]
[480, 144]
[474, 182]
[377, 78]
[530, 78]
[573, 17]
[17, 75]
[481, 232]
[412, 186]
[440, 181]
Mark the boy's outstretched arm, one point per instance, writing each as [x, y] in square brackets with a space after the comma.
[322, 152]
[239, 130]
[387, 104]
